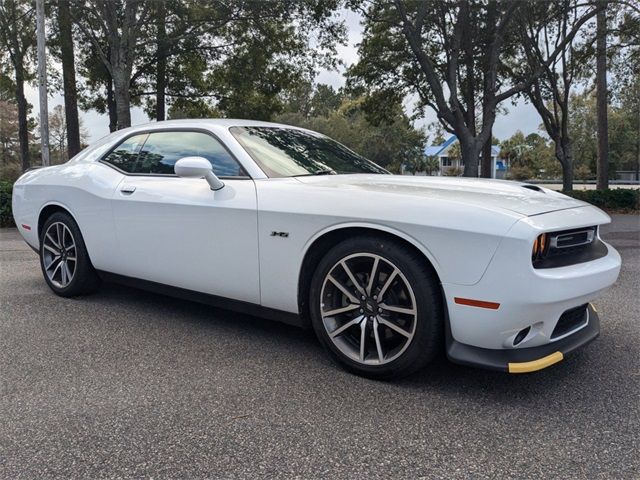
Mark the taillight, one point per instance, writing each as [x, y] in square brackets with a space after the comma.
[539, 246]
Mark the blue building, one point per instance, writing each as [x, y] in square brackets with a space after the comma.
[445, 163]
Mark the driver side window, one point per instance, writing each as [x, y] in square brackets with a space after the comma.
[157, 153]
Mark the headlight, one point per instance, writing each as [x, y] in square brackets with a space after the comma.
[539, 247]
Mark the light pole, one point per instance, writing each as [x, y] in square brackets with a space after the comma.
[42, 83]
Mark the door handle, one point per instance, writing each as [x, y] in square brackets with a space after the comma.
[128, 189]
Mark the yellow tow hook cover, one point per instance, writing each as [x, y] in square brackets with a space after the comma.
[534, 365]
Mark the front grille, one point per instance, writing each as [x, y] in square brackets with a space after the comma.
[570, 247]
[572, 238]
[570, 320]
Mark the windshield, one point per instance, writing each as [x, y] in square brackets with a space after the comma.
[287, 152]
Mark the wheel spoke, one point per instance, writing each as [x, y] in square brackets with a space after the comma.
[353, 279]
[68, 274]
[55, 244]
[63, 273]
[343, 289]
[372, 275]
[387, 284]
[59, 234]
[72, 259]
[51, 249]
[344, 327]
[363, 339]
[53, 274]
[377, 337]
[394, 327]
[330, 313]
[391, 308]
[53, 260]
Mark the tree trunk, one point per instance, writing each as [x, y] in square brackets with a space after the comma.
[69, 79]
[122, 98]
[111, 107]
[23, 126]
[601, 100]
[564, 154]
[470, 154]
[487, 163]
[161, 63]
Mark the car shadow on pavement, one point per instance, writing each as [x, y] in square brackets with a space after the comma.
[573, 376]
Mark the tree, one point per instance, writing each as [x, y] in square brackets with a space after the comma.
[17, 39]
[601, 89]
[161, 59]
[68, 77]
[624, 68]
[157, 53]
[58, 131]
[114, 29]
[547, 27]
[450, 54]
[390, 143]
[8, 131]
[623, 122]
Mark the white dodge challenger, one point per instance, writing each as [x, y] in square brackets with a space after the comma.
[286, 223]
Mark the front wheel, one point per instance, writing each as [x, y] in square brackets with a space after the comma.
[64, 259]
[376, 307]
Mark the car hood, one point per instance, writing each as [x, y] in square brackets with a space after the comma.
[522, 198]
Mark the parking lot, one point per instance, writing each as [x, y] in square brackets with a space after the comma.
[125, 383]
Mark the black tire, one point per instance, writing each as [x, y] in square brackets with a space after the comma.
[84, 279]
[428, 322]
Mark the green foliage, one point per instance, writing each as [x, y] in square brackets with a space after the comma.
[6, 217]
[624, 199]
[582, 172]
[530, 155]
[453, 172]
[624, 131]
[519, 172]
[184, 108]
[389, 143]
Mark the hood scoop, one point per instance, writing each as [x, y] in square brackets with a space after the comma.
[535, 188]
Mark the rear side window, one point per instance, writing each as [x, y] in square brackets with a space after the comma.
[124, 156]
[161, 150]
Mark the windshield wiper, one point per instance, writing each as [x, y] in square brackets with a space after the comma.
[319, 172]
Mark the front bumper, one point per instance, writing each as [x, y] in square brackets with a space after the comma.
[524, 360]
[523, 296]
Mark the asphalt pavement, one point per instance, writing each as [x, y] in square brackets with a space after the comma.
[128, 384]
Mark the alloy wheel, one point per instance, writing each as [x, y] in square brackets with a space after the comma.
[368, 308]
[59, 254]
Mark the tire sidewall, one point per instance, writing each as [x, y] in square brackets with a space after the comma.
[84, 269]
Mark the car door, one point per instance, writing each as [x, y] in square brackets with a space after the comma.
[177, 231]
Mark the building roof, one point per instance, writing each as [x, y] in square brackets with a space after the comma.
[438, 150]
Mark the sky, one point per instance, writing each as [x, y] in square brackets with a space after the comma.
[521, 116]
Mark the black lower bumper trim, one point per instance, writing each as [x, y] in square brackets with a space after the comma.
[499, 359]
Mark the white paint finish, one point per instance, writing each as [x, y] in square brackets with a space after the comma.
[478, 234]
[526, 295]
[85, 190]
[179, 232]
[440, 229]
[473, 192]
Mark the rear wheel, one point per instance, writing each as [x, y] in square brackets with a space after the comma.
[64, 259]
[376, 307]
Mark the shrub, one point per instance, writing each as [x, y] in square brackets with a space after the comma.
[453, 172]
[519, 173]
[582, 172]
[626, 199]
[6, 217]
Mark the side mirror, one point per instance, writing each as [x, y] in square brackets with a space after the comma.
[197, 167]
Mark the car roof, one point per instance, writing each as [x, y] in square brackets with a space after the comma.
[219, 122]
